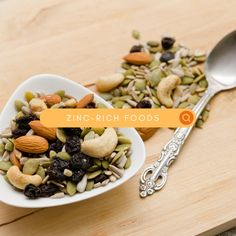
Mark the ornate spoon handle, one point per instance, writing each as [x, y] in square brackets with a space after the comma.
[155, 176]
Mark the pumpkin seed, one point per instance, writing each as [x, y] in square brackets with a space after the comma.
[84, 132]
[61, 135]
[198, 78]
[101, 105]
[122, 147]
[9, 146]
[200, 59]
[19, 104]
[71, 188]
[105, 164]
[61, 93]
[140, 84]
[205, 115]
[199, 123]
[128, 163]
[52, 154]
[193, 99]
[97, 162]
[203, 83]
[118, 104]
[117, 156]
[94, 168]
[106, 96]
[154, 49]
[64, 156]
[94, 174]
[30, 166]
[2, 148]
[5, 165]
[187, 80]
[153, 43]
[155, 77]
[89, 185]
[29, 96]
[136, 34]
[124, 140]
[19, 114]
[99, 131]
[41, 172]
[45, 164]
[183, 104]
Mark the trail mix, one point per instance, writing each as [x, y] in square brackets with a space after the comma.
[50, 162]
[157, 74]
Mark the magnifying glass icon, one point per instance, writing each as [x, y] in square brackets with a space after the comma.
[186, 117]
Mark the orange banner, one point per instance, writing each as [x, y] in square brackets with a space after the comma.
[117, 118]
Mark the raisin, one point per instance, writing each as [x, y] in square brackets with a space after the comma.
[23, 122]
[167, 42]
[144, 104]
[80, 161]
[72, 144]
[60, 164]
[32, 191]
[166, 56]
[56, 174]
[19, 132]
[77, 175]
[136, 48]
[72, 131]
[91, 105]
[56, 146]
[48, 190]
[100, 178]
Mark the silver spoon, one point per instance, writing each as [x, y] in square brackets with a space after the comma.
[220, 70]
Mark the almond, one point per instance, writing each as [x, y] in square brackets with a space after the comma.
[83, 102]
[138, 58]
[43, 131]
[31, 144]
[51, 99]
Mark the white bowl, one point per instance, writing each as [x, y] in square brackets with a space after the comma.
[50, 83]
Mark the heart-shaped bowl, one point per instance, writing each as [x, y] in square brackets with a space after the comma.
[49, 83]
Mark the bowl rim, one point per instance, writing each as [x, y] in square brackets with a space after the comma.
[61, 201]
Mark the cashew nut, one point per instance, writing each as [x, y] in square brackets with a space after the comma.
[107, 83]
[101, 146]
[20, 180]
[165, 87]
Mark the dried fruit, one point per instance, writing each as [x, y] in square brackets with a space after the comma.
[32, 191]
[136, 48]
[80, 161]
[31, 144]
[41, 130]
[144, 104]
[167, 56]
[138, 58]
[167, 42]
[72, 145]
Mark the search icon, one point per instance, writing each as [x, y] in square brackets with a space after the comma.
[186, 117]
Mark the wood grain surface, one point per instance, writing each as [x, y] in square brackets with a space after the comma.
[84, 39]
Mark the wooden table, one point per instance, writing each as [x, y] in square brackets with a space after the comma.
[83, 40]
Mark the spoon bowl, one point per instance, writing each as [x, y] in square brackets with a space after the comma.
[220, 66]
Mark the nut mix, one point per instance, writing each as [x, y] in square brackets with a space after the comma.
[53, 162]
[157, 74]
